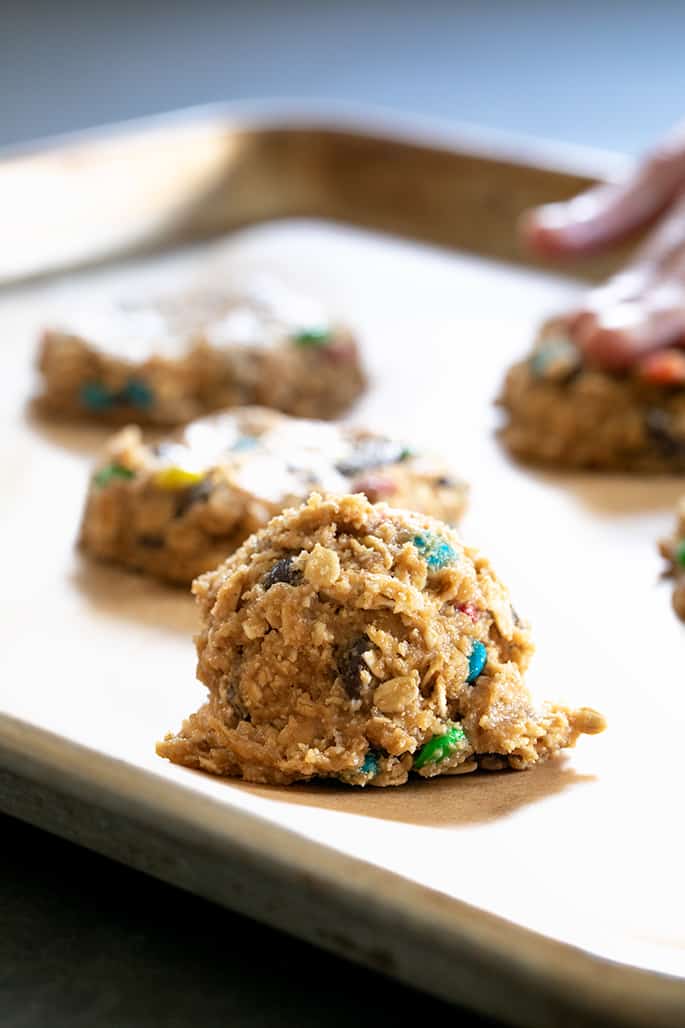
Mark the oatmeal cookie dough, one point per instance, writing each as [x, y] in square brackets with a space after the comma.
[673, 550]
[563, 412]
[180, 507]
[170, 362]
[362, 643]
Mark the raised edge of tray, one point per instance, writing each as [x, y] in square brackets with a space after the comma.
[335, 901]
[164, 181]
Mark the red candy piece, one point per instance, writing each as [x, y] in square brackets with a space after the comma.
[471, 610]
[375, 487]
[665, 367]
[342, 352]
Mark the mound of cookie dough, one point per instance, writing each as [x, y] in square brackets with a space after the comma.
[178, 508]
[673, 550]
[181, 357]
[362, 643]
[562, 411]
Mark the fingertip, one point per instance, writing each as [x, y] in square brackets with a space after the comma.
[579, 321]
[610, 348]
[538, 237]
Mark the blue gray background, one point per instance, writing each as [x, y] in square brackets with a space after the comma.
[606, 73]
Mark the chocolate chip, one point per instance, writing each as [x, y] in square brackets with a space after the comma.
[282, 571]
[351, 663]
[372, 453]
[444, 481]
[664, 440]
[232, 698]
[198, 493]
[151, 542]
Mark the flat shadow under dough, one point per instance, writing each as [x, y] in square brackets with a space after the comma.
[458, 800]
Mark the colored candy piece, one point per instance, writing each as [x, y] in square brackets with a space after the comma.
[471, 610]
[436, 552]
[369, 769]
[96, 397]
[680, 553]
[477, 660]
[405, 454]
[137, 393]
[370, 765]
[312, 337]
[375, 487]
[175, 477]
[105, 475]
[665, 367]
[344, 351]
[245, 442]
[555, 358]
[440, 746]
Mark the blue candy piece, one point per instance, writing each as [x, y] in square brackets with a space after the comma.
[370, 765]
[245, 442]
[477, 660]
[96, 397]
[436, 552]
[556, 357]
[137, 393]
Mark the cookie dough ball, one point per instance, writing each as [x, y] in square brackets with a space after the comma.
[178, 508]
[168, 360]
[561, 411]
[361, 643]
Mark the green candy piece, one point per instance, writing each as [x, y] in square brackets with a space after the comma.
[680, 553]
[105, 475]
[312, 337]
[405, 454]
[440, 746]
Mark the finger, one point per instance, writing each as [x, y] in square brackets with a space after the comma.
[592, 220]
[606, 214]
[619, 336]
[627, 285]
[665, 247]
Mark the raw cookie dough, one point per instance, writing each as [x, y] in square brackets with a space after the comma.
[362, 642]
[563, 412]
[673, 549]
[185, 356]
[178, 508]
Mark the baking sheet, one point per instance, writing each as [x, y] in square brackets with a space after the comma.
[585, 850]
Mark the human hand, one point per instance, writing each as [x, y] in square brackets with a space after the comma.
[636, 318]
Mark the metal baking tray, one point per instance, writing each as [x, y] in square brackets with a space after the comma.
[541, 898]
